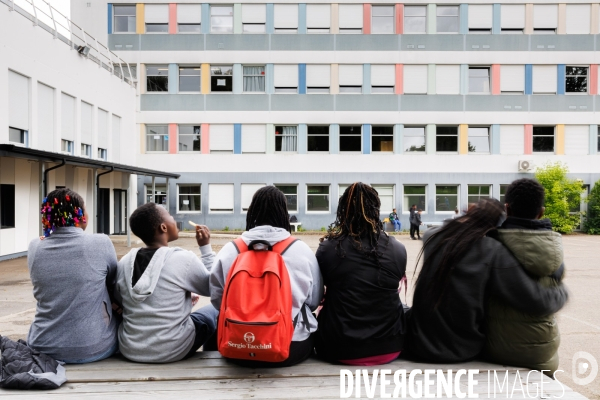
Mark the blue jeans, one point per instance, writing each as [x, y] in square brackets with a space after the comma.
[397, 225]
[99, 357]
[205, 322]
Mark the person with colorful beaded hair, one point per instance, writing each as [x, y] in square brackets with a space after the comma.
[70, 271]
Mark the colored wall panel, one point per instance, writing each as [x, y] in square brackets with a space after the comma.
[464, 79]
[366, 139]
[366, 19]
[399, 19]
[463, 19]
[205, 78]
[205, 26]
[431, 79]
[205, 138]
[495, 78]
[594, 21]
[172, 18]
[237, 138]
[593, 85]
[366, 89]
[302, 19]
[398, 134]
[528, 139]
[399, 78]
[594, 139]
[173, 78]
[495, 139]
[560, 84]
[173, 141]
[431, 18]
[270, 25]
[559, 139]
[270, 149]
[496, 14]
[302, 138]
[237, 18]
[110, 18]
[301, 78]
[430, 139]
[139, 19]
[562, 19]
[334, 139]
[463, 139]
[334, 87]
[335, 21]
[270, 89]
[528, 79]
[238, 79]
[528, 19]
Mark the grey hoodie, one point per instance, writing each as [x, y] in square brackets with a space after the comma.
[156, 325]
[302, 266]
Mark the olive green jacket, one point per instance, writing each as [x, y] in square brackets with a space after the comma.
[516, 338]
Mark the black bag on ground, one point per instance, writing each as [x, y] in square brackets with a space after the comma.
[24, 368]
[293, 218]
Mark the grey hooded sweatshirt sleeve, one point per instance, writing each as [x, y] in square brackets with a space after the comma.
[302, 266]
[156, 325]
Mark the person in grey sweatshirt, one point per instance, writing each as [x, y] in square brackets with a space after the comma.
[70, 272]
[155, 286]
[268, 220]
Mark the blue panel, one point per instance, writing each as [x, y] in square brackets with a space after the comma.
[464, 79]
[528, 79]
[560, 85]
[593, 139]
[173, 78]
[464, 19]
[237, 138]
[366, 89]
[398, 133]
[302, 18]
[238, 79]
[495, 139]
[302, 138]
[301, 78]
[110, 18]
[270, 89]
[366, 139]
[496, 13]
[334, 139]
[205, 18]
[270, 18]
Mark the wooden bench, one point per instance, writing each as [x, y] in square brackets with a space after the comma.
[295, 225]
[208, 376]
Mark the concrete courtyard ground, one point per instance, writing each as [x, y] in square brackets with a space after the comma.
[579, 321]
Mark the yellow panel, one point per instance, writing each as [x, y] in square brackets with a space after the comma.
[463, 139]
[139, 19]
[560, 139]
[205, 76]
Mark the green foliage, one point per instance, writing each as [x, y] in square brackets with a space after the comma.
[226, 229]
[562, 196]
[323, 229]
[301, 229]
[592, 222]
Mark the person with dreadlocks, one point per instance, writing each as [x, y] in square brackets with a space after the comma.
[70, 272]
[362, 319]
[463, 268]
[268, 219]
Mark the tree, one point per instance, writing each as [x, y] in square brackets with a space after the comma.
[562, 196]
[592, 222]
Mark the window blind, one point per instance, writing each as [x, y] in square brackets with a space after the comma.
[577, 139]
[254, 138]
[351, 15]
[248, 190]
[512, 139]
[285, 75]
[102, 133]
[578, 19]
[545, 16]
[220, 197]
[318, 15]
[46, 109]
[221, 137]
[383, 75]
[318, 75]
[512, 16]
[415, 79]
[67, 117]
[512, 78]
[447, 79]
[544, 78]
[254, 13]
[480, 16]
[18, 101]
[350, 75]
[156, 13]
[189, 13]
[286, 16]
[86, 123]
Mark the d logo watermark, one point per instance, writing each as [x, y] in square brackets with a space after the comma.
[584, 364]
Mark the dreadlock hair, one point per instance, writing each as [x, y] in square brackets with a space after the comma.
[456, 237]
[268, 207]
[525, 198]
[61, 208]
[358, 218]
[145, 222]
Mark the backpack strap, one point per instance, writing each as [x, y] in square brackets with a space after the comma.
[240, 245]
[284, 245]
[304, 315]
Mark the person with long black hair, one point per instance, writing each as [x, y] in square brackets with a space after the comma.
[268, 220]
[463, 268]
[362, 319]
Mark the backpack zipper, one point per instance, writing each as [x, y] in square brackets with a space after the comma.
[233, 321]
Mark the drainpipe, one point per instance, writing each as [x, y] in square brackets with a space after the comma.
[63, 162]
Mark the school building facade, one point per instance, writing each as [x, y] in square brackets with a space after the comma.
[434, 104]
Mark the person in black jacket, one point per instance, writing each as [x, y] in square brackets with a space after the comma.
[461, 269]
[362, 321]
[411, 220]
[418, 224]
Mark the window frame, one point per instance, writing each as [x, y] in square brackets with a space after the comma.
[444, 135]
[479, 195]
[86, 150]
[67, 146]
[373, 134]
[489, 141]
[223, 75]
[457, 16]
[345, 135]
[263, 76]
[489, 79]
[178, 210]
[503, 188]
[374, 17]
[386, 185]
[587, 79]
[199, 75]
[211, 16]
[23, 134]
[295, 185]
[328, 186]
[159, 67]
[148, 126]
[408, 204]
[114, 18]
[282, 135]
[210, 211]
[199, 135]
[308, 134]
[102, 154]
[404, 135]
[148, 192]
[9, 218]
[457, 186]
[424, 31]
[533, 136]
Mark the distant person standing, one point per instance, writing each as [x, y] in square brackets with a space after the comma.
[394, 220]
[411, 219]
[418, 223]
[456, 213]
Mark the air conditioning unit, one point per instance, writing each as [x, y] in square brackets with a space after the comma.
[526, 166]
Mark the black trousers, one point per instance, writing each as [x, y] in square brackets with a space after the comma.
[414, 229]
[299, 351]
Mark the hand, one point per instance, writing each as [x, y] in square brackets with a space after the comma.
[117, 309]
[202, 235]
[195, 299]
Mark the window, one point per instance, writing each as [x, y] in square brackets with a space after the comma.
[189, 198]
[126, 70]
[383, 78]
[576, 79]
[415, 79]
[286, 18]
[478, 192]
[189, 79]
[86, 150]
[578, 19]
[318, 18]
[286, 78]
[254, 17]
[156, 18]
[124, 21]
[350, 138]
[157, 138]
[479, 140]
[248, 190]
[221, 138]
[7, 206]
[382, 138]
[189, 18]
[414, 139]
[317, 198]
[221, 19]
[66, 146]
[317, 78]
[221, 78]
[543, 139]
[291, 195]
[342, 189]
[382, 19]
[86, 124]
[189, 138]
[17, 135]
[512, 79]
[544, 79]
[102, 154]
[160, 195]
[386, 196]
[415, 19]
[414, 195]
[545, 18]
[254, 139]
[157, 78]
[447, 19]
[446, 138]
[220, 198]
[350, 18]
[446, 198]
[479, 80]
[254, 78]
[67, 122]
[286, 138]
[318, 138]
[480, 18]
[503, 193]
[350, 78]
[512, 18]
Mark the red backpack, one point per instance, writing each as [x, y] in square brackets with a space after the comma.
[255, 320]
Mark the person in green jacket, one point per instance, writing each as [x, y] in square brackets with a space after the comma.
[513, 337]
